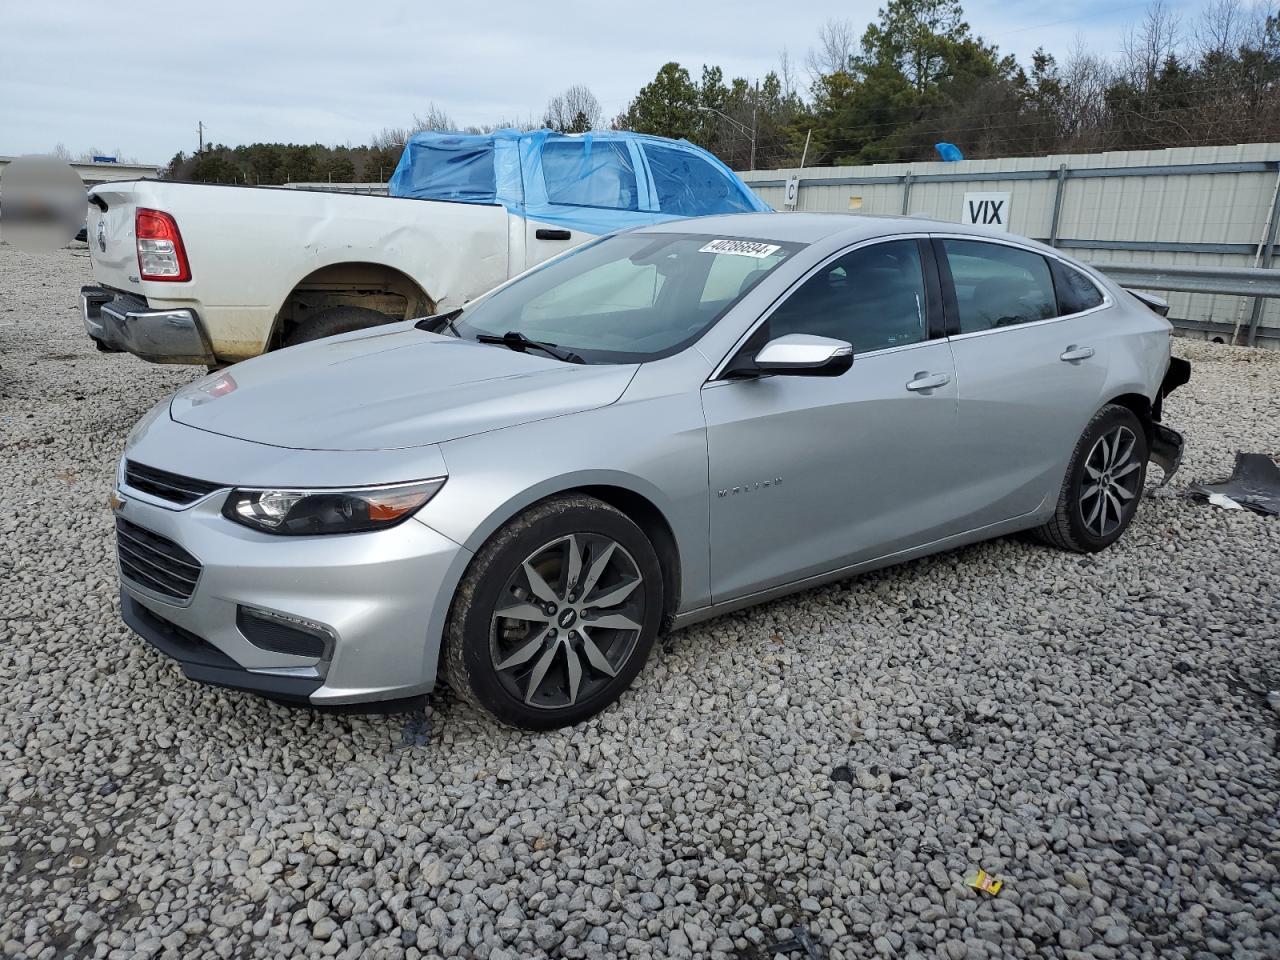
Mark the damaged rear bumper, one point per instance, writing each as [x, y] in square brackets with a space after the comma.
[120, 323]
[1166, 443]
[1166, 450]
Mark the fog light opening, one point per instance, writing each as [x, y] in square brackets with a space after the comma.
[285, 634]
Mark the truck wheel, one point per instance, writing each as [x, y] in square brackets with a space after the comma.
[336, 320]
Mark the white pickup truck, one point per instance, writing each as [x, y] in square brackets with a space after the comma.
[210, 274]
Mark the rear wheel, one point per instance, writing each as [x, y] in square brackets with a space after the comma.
[1104, 483]
[335, 320]
[556, 615]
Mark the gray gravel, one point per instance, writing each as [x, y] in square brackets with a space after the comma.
[1093, 730]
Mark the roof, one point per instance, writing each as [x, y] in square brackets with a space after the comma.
[595, 182]
[812, 227]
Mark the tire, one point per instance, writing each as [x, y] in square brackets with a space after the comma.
[547, 637]
[1086, 522]
[335, 320]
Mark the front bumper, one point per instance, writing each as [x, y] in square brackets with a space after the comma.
[121, 323]
[378, 599]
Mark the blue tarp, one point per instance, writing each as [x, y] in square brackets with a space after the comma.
[949, 152]
[595, 182]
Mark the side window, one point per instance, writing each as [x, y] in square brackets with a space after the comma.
[872, 298]
[589, 173]
[689, 186]
[1076, 292]
[999, 286]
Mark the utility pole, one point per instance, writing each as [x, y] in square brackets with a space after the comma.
[200, 133]
[755, 104]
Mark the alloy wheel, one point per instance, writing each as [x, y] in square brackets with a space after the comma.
[567, 620]
[1112, 473]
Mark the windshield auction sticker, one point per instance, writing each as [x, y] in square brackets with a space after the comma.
[741, 248]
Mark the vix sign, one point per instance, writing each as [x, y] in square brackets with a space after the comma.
[986, 210]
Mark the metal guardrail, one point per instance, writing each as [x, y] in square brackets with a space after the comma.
[1256, 282]
[1228, 281]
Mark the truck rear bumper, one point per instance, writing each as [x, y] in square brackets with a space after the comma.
[120, 323]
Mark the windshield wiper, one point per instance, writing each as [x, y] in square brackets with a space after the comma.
[518, 341]
[441, 321]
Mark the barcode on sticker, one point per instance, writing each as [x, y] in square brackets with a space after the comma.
[741, 248]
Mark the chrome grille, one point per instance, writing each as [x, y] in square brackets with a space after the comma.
[167, 486]
[154, 562]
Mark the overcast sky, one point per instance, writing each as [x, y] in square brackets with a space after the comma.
[139, 76]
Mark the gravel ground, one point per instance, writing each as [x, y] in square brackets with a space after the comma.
[1093, 730]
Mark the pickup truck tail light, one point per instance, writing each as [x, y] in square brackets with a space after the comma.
[161, 255]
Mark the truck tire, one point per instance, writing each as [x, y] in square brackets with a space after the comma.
[336, 320]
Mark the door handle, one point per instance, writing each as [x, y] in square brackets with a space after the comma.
[927, 381]
[1074, 353]
[549, 233]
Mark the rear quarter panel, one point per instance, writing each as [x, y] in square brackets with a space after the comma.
[1138, 342]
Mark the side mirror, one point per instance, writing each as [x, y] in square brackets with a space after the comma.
[795, 355]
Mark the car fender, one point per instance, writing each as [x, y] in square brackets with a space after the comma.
[656, 451]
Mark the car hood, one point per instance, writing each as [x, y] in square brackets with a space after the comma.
[389, 389]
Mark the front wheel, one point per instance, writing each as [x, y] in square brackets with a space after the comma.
[1104, 483]
[556, 615]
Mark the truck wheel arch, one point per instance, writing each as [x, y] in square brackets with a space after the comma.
[373, 286]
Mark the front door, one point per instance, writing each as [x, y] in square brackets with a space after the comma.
[808, 474]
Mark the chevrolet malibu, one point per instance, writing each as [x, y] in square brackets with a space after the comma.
[655, 428]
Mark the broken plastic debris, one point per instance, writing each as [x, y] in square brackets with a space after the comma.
[985, 882]
[800, 943]
[1222, 500]
[1254, 483]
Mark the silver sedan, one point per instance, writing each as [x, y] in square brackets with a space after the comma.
[655, 428]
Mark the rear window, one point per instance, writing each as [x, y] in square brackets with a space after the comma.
[459, 168]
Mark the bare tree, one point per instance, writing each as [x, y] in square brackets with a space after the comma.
[390, 138]
[1222, 28]
[436, 118]
[836, 40]
[575, 111]
[1145, 48]
[1083, 109]
[528, 123]
[787, 75]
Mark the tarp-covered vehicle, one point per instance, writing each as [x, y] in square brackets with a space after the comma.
[212, 274]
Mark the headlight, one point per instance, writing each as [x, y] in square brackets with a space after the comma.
[300, 513]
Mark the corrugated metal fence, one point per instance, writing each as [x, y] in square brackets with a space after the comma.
[1204, 206]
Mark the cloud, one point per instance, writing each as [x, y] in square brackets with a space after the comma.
[139, 77]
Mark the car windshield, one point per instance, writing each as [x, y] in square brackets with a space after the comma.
[626, 298]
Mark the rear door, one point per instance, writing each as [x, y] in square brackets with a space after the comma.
[591, 186]
[1030, 364]
[809, 474]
